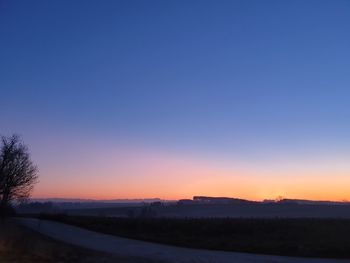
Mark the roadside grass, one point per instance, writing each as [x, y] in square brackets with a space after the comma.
[328, 238]
[21, 245]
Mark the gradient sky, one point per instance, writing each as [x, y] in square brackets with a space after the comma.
[170, 99]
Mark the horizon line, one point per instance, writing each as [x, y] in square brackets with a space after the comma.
[178, 199]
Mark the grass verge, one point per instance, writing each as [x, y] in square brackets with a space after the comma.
[21, 245]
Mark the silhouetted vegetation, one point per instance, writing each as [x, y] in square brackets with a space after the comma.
[37, 207]
[18, 174]
[293, 237]
[7, 211]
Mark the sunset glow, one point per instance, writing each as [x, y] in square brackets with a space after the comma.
[171, 99]
[97, 171]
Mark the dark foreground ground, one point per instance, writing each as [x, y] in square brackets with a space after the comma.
[21, 245]
[250, 210]
[291, 237]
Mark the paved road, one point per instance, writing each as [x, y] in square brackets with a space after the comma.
[129, 247]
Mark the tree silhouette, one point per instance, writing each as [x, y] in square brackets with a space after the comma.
[18, 174]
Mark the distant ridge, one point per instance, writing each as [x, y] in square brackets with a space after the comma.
[195, 200]
[82, 200]
[311, 202]
[232, 200]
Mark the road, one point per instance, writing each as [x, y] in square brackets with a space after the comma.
[129, 247]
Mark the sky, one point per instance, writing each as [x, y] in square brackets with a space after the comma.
[170, 99]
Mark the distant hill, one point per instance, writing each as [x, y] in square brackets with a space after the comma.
[215, 200]
[80, 200]
[310, 202]
[199, 206]
[194, 200]
[232, 200]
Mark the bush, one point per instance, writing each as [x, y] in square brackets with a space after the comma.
[6, 211]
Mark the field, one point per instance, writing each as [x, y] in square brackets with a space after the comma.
[21, 245]
[293, 237]
[258, 210]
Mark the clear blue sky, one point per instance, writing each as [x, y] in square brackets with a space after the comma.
[229, 79]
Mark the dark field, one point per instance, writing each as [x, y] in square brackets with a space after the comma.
[292, 237]
[258, 210]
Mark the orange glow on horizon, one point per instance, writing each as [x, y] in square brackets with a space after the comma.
[143, 175]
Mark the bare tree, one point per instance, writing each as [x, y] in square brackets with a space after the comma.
[18, 174]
